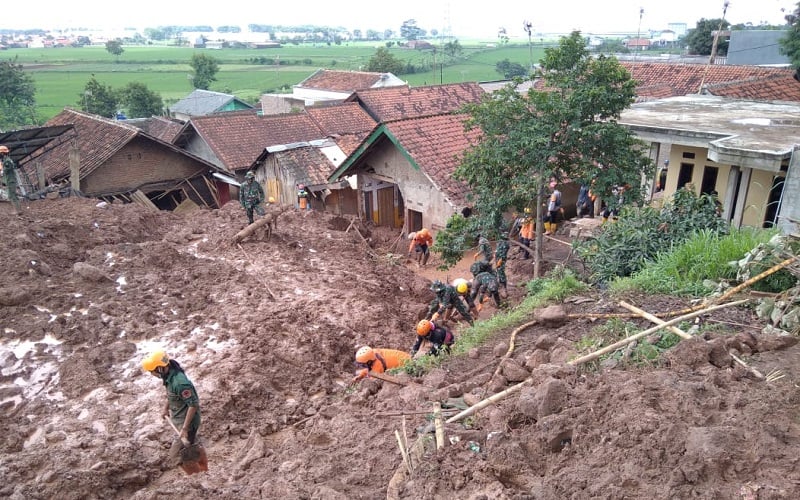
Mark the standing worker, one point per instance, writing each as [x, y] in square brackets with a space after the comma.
[183, 404]
[553, 210]
[439, 337]
[500, 257]
[9, 177]
[378, 361]
[302, 197]
[421, 243]
[251, 196]
[484, 249]
[526, 232]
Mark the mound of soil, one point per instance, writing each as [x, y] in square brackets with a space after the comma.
[267, 329]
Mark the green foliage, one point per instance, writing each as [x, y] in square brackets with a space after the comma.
[559, 284]
[205, 70]
[700, 39]
[140, 101]
[695, 266]
[569, 131]
[790, 42]
[453, 48]
[114, 47]
[17, 101]
[98, 99]
[641, 233]
[384, 61]
[510, 70]
[410, 31]
[642, 352]
[456, 238]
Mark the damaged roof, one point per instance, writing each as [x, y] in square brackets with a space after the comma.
[29, 143]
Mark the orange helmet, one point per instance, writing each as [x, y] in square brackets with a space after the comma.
[424, 327]
[365, 354]
[155, 359]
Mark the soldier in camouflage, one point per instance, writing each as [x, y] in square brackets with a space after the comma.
[251, 196]
[484, 248]
[500, 256]
[485, 283]
[446, 297]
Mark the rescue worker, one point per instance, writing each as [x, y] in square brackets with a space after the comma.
[251, 196]
[438, 336]
[446, 296]
[484, 249]
[302, 197]
[526, 232]
[584, 206]
[9, 171]
[613, 212]
[183, 404]
[553, 210]
[485, 283]
[421, 243]
[480, 267]
[500, 257]
[378, 361]
[464, 289]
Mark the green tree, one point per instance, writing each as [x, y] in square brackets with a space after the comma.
[569, 131]
[382, 61]
[410, 31]
[17, 96]
[510, 70]
[98, 99]
[140, 101]
[114, 47]
[453, 48]
[205, 70]
[700, 40]
[790, 43]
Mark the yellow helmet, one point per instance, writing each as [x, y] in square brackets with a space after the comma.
[271, 199]
[424, 327]
[155, 359]
[365, 354]
[461, 285]
[527, 210]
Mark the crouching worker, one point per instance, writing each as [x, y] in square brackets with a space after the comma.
[378, 361]
[439, 337]
[182, 406]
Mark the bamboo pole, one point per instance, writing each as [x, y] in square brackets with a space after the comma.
[486, 402]
[655, 319]
[386, 378]
[758, 277]
[437, 420]
[403, 452]
[749, 368]
[621, 343]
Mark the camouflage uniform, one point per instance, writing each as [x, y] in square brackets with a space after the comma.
[485, 248]
[480, 266]
[500, 256]
[486, 284]
[251, 195]
[447, 297]
[10, 180]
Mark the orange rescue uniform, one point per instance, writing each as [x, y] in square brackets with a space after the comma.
[385, 359]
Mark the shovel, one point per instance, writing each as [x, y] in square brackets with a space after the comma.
[193, 456]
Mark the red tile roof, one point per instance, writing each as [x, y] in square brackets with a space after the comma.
[436, 144]
[340, 81]
[654, 78]
[395, 103]
[770, 88]
[306, 164]
[347, 118]
[162, 128]
[98, 139]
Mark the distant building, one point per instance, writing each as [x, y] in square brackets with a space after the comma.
[757, 47]
[680, 29]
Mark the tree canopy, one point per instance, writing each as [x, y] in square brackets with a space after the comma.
[205, 70]
[382, 61]
[140, 101]
[700, 39]
[98, 99]
[17, 96]
[790, 43]
[410, 31]
[567, 132]
[114, 47]
[510, 70]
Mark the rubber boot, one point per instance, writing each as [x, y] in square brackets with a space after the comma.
[553, 227]
[605, 219]
[547, 228]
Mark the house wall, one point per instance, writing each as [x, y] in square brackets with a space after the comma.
[198, 147]
[416, 189]
[139, 163]
[789, 220]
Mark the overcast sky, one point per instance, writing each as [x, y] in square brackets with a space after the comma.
[466, 18]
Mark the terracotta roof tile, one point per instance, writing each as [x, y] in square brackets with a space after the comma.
[347, 118]
[340, 81]
[685, 79]
[98, 139]
[306, 164]
[348, 143]
[237, 138]
[437, 144]
[770, 88]
[395, 103]
[163, 128]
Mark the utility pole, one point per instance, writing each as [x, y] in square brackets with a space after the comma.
[528, 26]
[716, 33]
